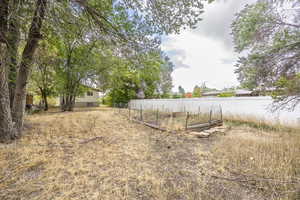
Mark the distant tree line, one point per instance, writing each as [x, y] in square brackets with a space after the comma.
[197, 91]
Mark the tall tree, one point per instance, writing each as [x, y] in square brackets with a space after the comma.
[34, 35]
[270, 32]
[181, 91]
[79, 64]
[13, 39]
[165, 83]
[126, 80]
[197, 91]
[7, 130]
[43, 76]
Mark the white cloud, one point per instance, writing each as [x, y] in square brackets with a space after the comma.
[206, 54]
[217, 19]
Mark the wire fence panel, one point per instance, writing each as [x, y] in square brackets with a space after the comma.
[254, 107]
[172, 112]
[173, 115]
[174, 105]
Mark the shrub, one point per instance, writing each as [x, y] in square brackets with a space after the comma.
[227, 94]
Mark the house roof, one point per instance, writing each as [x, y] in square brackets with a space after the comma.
[211, 93]
[92, 88]
[241, 91]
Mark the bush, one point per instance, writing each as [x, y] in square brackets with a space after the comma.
[176, 96]
[107, 100]
[227, 94]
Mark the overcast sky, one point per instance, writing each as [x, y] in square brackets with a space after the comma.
[206, 54]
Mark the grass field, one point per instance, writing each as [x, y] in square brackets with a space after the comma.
[99, 154]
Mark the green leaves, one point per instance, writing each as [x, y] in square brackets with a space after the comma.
[197, 91]
[248, 24]
[143, 73]
[270, 33]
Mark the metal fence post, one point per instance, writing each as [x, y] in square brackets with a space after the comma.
[129, 112]
[186, 120]
[141, 113]
[157, 116]
[221, 113]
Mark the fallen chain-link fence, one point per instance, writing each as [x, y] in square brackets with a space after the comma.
[166, 119]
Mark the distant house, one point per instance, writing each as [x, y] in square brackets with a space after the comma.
[188, 95]
[238, 93]
[211, 94]
[263, 91]
[89, 99]
[245, 93]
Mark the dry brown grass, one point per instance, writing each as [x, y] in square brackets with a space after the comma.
[263, 162]
[56, 159]
[261, 124]
[99, 154]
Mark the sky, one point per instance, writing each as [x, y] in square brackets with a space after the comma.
[206, 54]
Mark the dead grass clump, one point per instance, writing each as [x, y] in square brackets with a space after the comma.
[265, 162]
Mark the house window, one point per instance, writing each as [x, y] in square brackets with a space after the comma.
[89, 93]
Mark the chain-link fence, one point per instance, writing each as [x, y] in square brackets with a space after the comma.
[167, 119]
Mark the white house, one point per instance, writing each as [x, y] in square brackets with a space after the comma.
[90, 98]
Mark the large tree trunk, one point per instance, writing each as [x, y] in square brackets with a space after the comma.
[46, 107]
[44, 98]
[67, 103]
[3, 22]
[7, 131]
[13, 44]
[71, 91]
[26, 61]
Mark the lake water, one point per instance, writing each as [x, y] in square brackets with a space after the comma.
[258, 107]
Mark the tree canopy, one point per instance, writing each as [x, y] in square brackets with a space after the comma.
[269, 33]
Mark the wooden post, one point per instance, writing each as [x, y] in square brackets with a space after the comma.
[221, 113]
[157, 116]
[187, 119]
[210, 115]
[129, 112]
